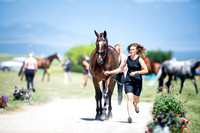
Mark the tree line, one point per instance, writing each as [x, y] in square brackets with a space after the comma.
[77, 53]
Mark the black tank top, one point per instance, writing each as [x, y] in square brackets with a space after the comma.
[134, 65]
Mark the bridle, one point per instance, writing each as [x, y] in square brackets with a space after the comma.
[103, 54]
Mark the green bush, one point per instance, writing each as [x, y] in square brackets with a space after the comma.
[159, 55]
[76, 55]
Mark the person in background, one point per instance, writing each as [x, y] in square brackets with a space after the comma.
[30, 68]
[85, 64]
[67, 70]
[133, 85]
[120, 76]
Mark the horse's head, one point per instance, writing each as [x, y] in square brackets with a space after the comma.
[101, 46]
[57, 56]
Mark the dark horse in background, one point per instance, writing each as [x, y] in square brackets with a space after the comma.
[181, 69]
[153, 67]
[43, 63]
[103, 57]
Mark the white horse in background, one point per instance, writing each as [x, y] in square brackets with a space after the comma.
[182, 69]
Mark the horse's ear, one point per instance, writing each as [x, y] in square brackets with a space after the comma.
[105, 34]
[96, 33]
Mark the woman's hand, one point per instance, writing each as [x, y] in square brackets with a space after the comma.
[133, 73]
[106, 72]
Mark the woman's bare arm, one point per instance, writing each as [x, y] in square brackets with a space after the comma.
[118, 70]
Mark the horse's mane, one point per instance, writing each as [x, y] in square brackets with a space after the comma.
[113, 49]
[51, 55]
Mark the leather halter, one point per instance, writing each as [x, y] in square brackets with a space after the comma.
[103, 54]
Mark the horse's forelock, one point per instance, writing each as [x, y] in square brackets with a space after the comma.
[101, 35]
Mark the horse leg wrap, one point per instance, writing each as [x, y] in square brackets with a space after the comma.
[105, 95]
[109, 113]
[109, 108]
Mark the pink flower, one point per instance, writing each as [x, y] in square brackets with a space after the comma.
[187, 121]
[183, 120]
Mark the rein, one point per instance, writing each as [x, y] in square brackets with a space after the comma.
[114, 78]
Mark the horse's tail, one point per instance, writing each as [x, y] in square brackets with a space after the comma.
[153, 81]
[21, 69]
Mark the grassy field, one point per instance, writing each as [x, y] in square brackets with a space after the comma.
[55, 89]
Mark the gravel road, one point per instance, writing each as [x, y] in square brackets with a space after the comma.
[74, 116]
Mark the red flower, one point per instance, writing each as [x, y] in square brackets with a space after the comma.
[183, 120]
[189, 94]
[187, 121]
[184, 126]
[1, 104]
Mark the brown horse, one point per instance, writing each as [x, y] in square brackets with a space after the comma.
[153, 67]
[103, 57]
[43, 63]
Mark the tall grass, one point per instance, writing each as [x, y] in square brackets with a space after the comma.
[56, 89]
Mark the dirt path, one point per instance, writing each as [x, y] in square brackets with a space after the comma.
[73, 116]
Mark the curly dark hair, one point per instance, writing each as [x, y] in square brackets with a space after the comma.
[141, 50]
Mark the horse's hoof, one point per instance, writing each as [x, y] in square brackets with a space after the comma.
[109, 116]
[97, 117]
[103, 116]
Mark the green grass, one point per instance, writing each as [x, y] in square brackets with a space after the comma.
[5, 57]
[55, 89]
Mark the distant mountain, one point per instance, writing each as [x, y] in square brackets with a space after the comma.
[36, 34]
[37, 49]
[27, 28]
[42, 39]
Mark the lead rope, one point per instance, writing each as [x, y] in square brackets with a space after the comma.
[114, 78]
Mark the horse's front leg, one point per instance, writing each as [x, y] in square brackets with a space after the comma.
[43, 75]
[110, 92]
[163, 75]
[105, 95]
[169, 83]
[48, 76]
[195, 85]
[182, 82]
[98, 97]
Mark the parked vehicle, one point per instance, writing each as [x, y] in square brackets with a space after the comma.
[12, 65]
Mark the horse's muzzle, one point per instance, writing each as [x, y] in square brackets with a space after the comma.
[100, 61]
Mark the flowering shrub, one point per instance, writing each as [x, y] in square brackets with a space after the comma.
[23, 94]
[169, 114]
[167, 102]
[3, 101]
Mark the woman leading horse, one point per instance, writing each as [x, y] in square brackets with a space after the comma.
[136, 67]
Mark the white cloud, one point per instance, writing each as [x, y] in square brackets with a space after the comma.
[151, 1]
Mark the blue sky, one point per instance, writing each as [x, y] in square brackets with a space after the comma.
[156, 24]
